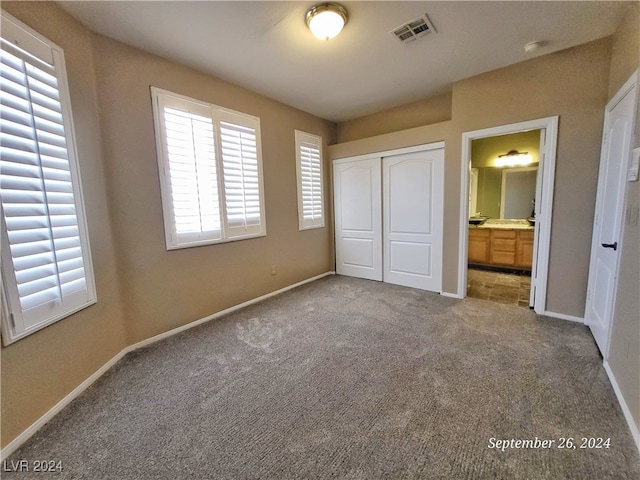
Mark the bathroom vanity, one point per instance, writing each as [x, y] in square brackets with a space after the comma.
[501, 243]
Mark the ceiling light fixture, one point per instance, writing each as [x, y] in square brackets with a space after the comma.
[512, 159]
[326, 20]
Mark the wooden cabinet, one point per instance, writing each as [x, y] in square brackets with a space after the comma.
[524, 249]
[501, 247]
[479, 245]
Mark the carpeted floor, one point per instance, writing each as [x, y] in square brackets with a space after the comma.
[349, 379]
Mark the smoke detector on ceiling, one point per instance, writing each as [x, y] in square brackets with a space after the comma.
[414, 29]
[532, 47]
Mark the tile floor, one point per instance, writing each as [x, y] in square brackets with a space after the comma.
[502, 287]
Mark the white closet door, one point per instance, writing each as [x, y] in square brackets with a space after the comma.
[358, 218]
[413, 209]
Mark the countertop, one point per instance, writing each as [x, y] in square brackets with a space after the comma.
[505, 224]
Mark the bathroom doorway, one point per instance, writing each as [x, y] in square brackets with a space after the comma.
[505, 222]
[502, 192]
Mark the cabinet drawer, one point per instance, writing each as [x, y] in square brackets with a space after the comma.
[503, 258]
[503, 244]
[526, 235]
[504, 233]
[479, 233]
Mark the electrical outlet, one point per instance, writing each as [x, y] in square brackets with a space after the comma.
[274, 271]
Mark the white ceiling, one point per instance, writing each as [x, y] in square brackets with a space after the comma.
[266, 47]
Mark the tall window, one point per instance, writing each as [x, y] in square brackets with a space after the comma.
[210, 166]
[46, 262]
[309, 170]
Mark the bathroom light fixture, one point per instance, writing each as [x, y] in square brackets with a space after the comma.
[512, 159]
[326, 20]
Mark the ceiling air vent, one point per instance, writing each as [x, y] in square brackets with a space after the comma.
[413, 30]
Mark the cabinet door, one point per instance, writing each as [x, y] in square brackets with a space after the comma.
[524, 249]
[503, 247]
[358, 218]
[412, 219]
[479, 245]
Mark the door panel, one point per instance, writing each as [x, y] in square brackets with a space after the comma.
[412, 219]
[358, 218]
[358, 252]
[410, 258]
[607, 231]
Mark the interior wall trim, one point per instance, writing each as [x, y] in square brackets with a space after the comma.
[563, 316]
[76, 392]
[635, 432]
[451, 295]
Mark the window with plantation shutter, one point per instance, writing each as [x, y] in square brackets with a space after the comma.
[210, 169]
[242, 173]
[309, 170]
[188, 170]
[46, 263]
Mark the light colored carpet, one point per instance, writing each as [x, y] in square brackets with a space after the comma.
[348, 379]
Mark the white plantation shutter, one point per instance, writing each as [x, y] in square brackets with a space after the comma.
[45, 255]
[241, 170]
[211, 171]
[189, 171]
[309, 170]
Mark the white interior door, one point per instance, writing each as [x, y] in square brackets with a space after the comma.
[536, 229]
[412, 219]
[607, 230]
[358, 218]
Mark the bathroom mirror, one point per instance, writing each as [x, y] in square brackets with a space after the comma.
[505, 193]
[502, 191]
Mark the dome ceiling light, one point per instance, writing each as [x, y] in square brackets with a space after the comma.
[326, 20]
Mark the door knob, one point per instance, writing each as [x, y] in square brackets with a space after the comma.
[613, 245]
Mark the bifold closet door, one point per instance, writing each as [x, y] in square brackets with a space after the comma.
[358, 218]
[413, 197]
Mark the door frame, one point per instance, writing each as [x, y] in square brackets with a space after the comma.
[543, 208]
[630, 84]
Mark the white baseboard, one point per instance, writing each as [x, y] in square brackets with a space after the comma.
[451, 295]
[195, 323]
[562, 316]
[635, 432]
[35, 426]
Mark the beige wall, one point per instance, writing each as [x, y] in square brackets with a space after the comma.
[41, 369]
[484, 151]
[424, 112]
[572, 84]
[624, 354]
[162, 289]
[406, 138]
[142, 288]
